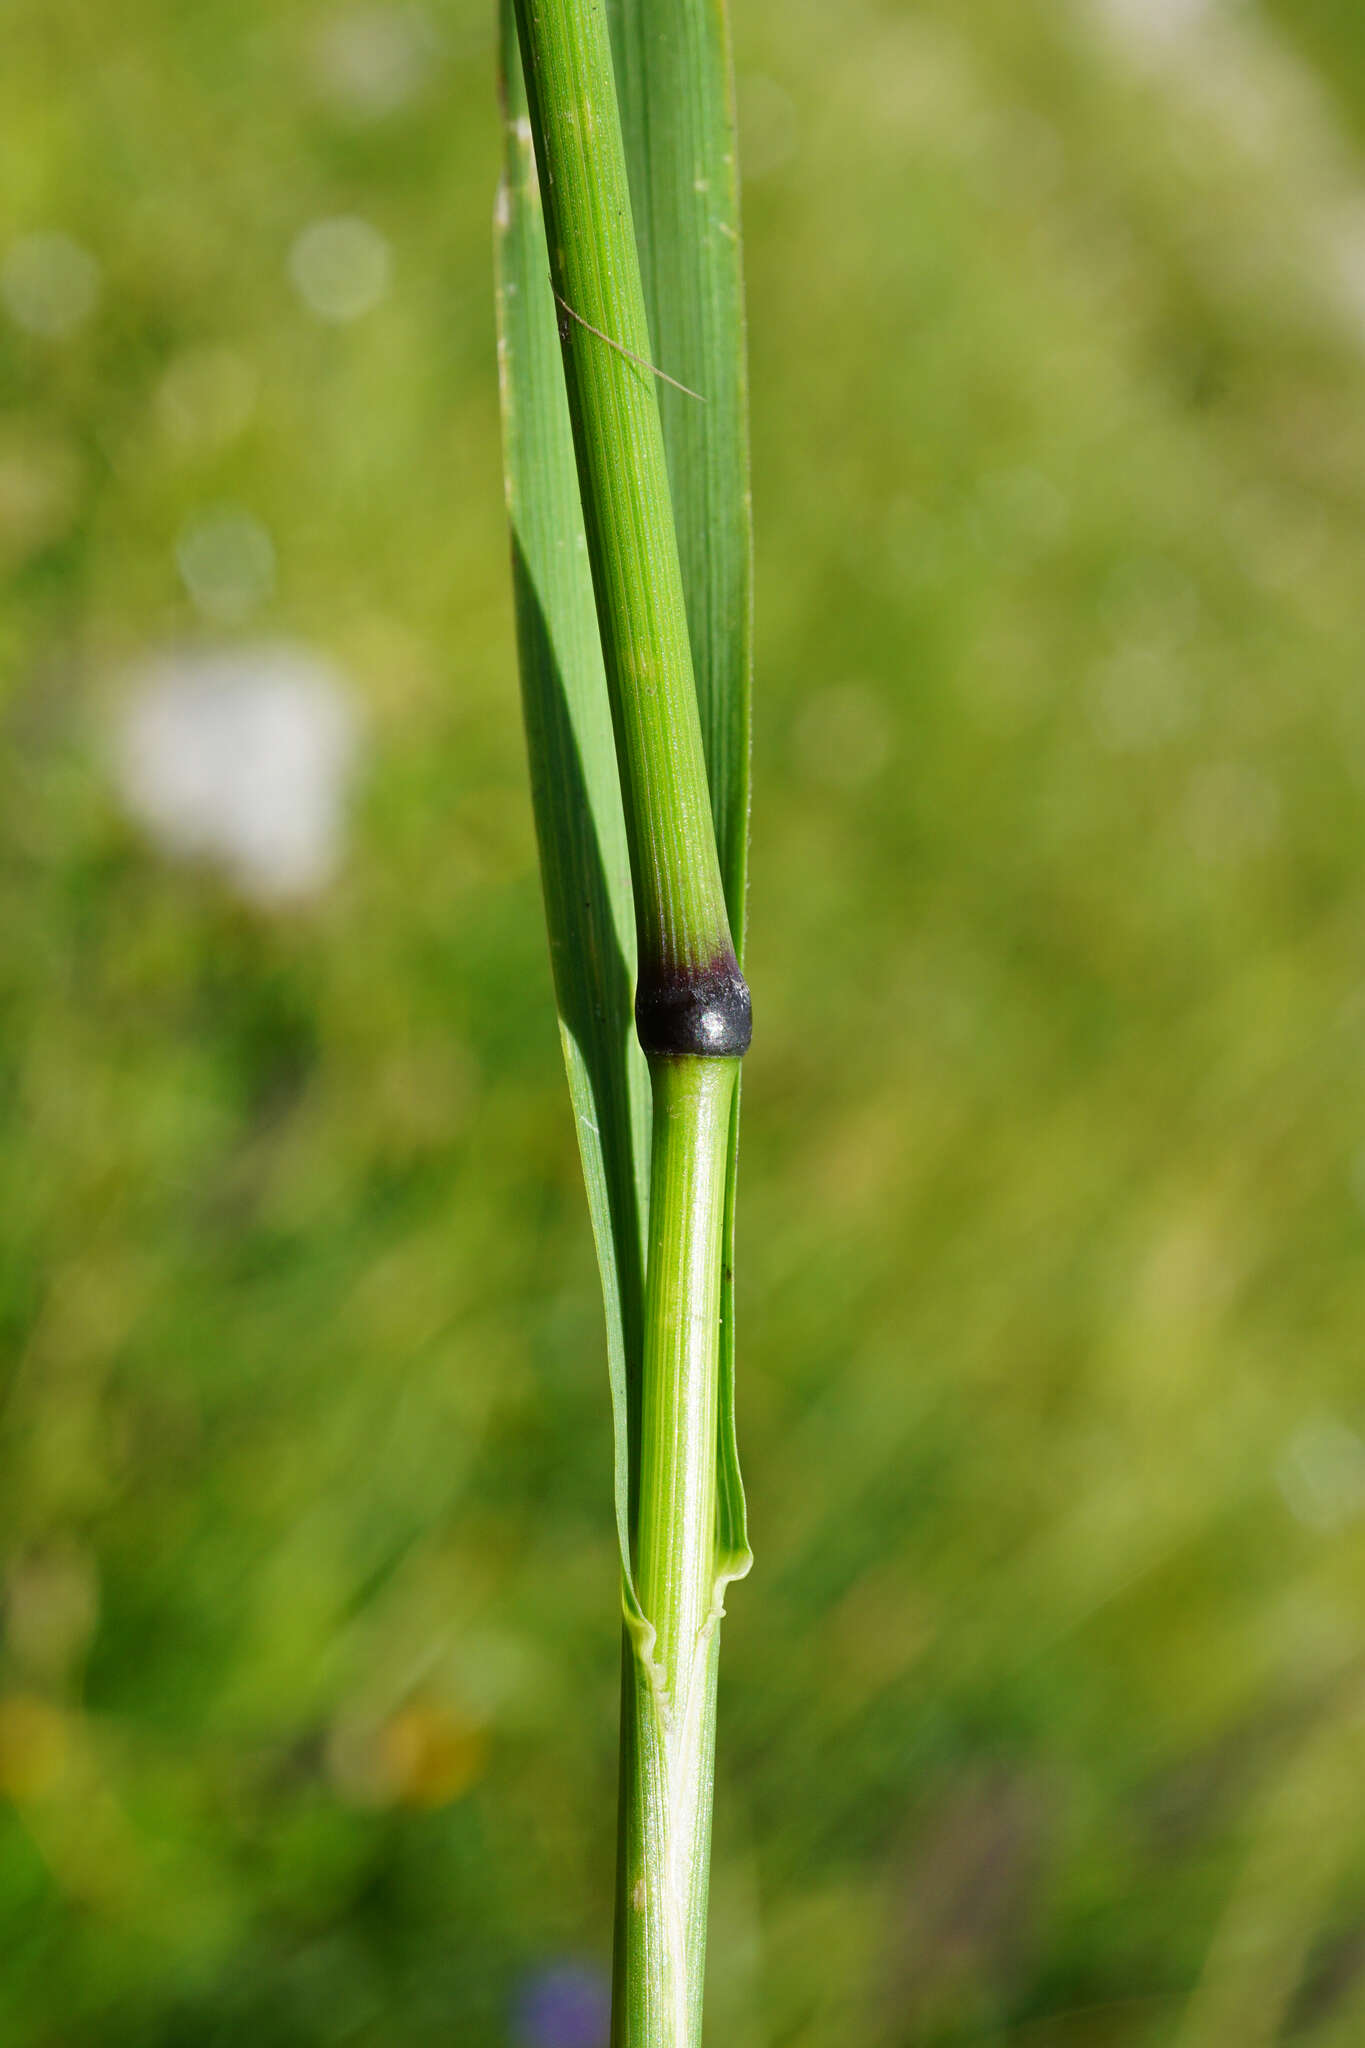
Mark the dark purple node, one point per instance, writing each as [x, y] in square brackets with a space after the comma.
[694, 1011]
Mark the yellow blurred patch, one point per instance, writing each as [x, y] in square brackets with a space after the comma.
[34, 1746]
[424, 1755]
[432, 1754]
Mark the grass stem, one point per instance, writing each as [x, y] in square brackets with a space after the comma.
[667, 1780]
[683, 1527]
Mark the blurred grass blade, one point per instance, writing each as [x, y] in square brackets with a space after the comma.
[674, 86]
[574, 784]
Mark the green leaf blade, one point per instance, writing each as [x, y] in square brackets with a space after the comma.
[674, 82]
[675, 89]
[575, 790]
[682, 925]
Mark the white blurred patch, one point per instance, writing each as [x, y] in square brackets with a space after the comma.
[371, 61]
[1222, 58]
[1155, 25]
[226, 561]
[1322, 1474]
[340, 268]
[241, 758]
[50, 284]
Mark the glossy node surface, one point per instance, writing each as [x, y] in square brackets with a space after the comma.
[698, 1011]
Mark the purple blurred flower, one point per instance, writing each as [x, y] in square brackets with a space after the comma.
[564, 2006]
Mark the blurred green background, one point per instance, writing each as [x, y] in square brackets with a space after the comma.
[1041, 1714]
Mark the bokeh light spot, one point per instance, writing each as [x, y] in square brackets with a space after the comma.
[227, 564]
[340, 268]
[369, 62]
[50, 284]
[1322, 1474]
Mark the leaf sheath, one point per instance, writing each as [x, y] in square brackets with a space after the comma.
[681, 918]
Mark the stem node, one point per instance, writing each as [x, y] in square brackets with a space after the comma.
[699, 1012]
